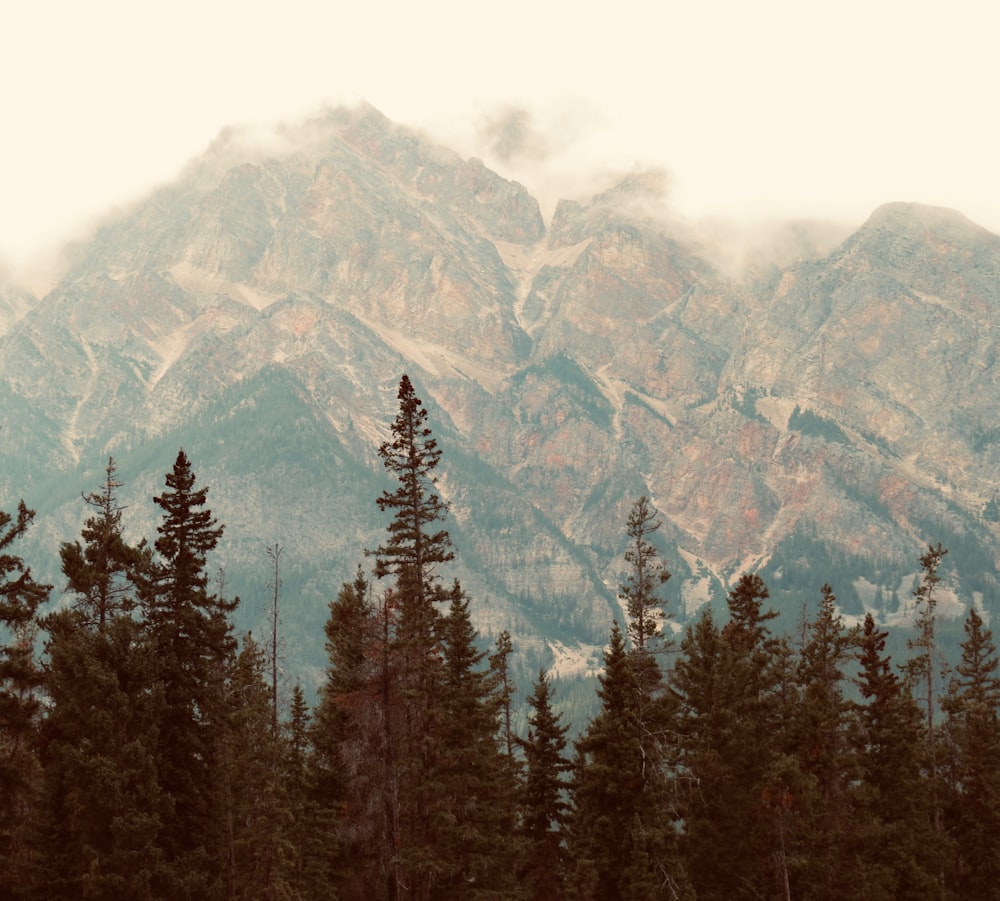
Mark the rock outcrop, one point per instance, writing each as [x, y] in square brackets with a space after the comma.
[822, 421]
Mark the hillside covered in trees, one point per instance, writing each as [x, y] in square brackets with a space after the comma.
[144, 753]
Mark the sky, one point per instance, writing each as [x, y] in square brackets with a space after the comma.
[754, 110]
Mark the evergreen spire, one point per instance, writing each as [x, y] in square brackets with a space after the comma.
[191, 638]
[104, 572]
[20, 596]
[646, 576]
[415, 546]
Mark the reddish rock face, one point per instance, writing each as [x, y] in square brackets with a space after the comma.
[264, 307]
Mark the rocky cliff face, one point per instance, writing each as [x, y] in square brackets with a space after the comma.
[822, 421]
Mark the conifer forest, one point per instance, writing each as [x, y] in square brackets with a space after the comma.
[145, 752]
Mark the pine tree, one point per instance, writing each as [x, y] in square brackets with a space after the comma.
[101, 810]
[191, 639]
[20, 677]
[606, 781]
[738, 785]
[821, 744]
[647, 574]
[621, 837]
[259, 816]
[543, 807]
[895, 843]
[102, 573]
[923, 669]
[406, 732]
[500, 667]
[478, 794]
[412, 672]
[972, 708]
[308, 872]
[415, 546]
[351, 768]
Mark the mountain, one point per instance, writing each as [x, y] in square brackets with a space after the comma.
[819, 419]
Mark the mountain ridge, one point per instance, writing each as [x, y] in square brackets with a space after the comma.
[839, 405]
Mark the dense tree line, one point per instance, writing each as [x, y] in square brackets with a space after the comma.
[142, 754]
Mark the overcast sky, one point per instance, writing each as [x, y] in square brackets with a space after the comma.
[785, 108]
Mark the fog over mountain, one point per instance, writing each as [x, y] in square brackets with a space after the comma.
[815, 405]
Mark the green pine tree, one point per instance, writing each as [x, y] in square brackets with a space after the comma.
[20, 678]
[353, 797]
[622, 841]
[102, 573]
[543, 804]
[973, 723]
[102, 809]
[191, 639]
[416, 546]
[413, 671]
[820, 742]
[895, 844]
[738, 785]
[925, 671]
[258, 813]
[478, 793]
[308, 872]
[646, 575]
[500, 667]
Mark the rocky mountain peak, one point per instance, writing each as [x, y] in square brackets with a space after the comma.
[908, 233]
[821, 424]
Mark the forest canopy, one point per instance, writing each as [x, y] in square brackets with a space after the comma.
[145, 753]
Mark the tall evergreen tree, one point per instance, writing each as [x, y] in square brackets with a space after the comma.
[258, 812]
[645, 613]
[309, 871]
[607, 781]
[730, 761]
[102, 573]
[821, 744]
[416, 545]
[352, 733]
[621, 838]
[898, 854]
[413, 552]
[478, 803]
[407, 727]
[500, 667]
[191, 638]
[973, 710]
[102, 808]
[20, 677]
[543, 806]
[923, 669]
[646, 574]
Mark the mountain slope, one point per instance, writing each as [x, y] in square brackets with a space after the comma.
[823, 420]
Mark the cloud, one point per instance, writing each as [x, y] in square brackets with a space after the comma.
[510, 135]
